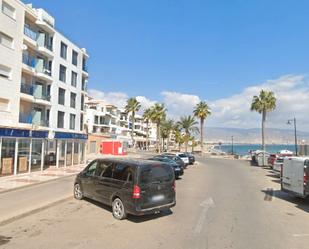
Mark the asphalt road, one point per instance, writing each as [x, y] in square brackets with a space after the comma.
[220, 204]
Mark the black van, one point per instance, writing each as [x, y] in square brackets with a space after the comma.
[130, 186]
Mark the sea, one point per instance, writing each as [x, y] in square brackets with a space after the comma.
[243, 149]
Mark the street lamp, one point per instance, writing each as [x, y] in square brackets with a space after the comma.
[289, 122]
[232, 145]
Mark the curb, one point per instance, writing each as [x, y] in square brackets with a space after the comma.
[37, 183]
[36, 210]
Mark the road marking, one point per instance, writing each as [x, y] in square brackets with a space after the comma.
[301, 235]
[206, 205]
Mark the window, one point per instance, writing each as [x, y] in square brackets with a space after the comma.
[81, 127]
[61, 96]
[4, 105]
[63, 50]
[82, 103]
[73, 100]
[6, 40]
[62, 73]
[74, 79]
[108, 172]
[5, 72]
[96, 119]
[72, 121]
[122, 172]
[158, 173]
[74, 57]
[60, 121]
[8, 10]
[92, 168]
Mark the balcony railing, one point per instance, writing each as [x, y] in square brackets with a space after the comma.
[41, 122]
[25, 118]
[26, 88]
[30, 33]
[85, 68]
[29, 60]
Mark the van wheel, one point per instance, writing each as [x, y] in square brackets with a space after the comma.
[78, 193]
[119, 211]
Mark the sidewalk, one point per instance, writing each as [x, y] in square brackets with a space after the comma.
[8, 183]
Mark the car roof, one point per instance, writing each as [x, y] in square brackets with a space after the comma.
[134, 162]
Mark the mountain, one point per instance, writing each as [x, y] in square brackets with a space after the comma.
[273, 136]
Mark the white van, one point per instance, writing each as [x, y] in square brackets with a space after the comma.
[295, 172]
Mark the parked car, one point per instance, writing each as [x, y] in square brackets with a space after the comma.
[278, 164]
[175, 158]
[178, 169]
[295, 176]
[271, 160]
[136, 187]
[191, 157]
[182, 156]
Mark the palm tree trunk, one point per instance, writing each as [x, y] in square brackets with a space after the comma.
[132, 130]
[263, 135]
[147, 136]
[168, 142]
[158, 138]
[187, 141]
[202, 134]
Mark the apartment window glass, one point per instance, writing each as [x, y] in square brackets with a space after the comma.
[6, 40]
[61, 96]
[8, 9]
[63, 50]
[62, 73]
[73, 100]
[60, 121]
[5, 72]
[74, 79]
[74, 57]
[72, 121]
[81, 127]
[82, 103]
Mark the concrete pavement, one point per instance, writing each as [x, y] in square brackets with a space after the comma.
[220, 204]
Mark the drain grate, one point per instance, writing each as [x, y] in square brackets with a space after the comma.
[4, 240]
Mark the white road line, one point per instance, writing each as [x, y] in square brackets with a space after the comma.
[301, 235]
[206, 204]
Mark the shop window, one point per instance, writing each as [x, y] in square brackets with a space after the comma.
[7, 156]
[36, 155]
[23, 155]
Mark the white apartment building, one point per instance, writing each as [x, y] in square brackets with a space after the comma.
[43, 78]
[113, 123]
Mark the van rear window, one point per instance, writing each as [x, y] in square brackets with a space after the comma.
[156, 174]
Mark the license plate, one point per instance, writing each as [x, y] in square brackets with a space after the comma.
[177, 169]
[158, 198]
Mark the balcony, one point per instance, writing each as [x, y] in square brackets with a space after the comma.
[30, 33]
[25, 118]
[44, 46]
[26, 88]
[42, 71]
[29, 60]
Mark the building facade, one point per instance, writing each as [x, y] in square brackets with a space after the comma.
[43, 78]
[108, 122]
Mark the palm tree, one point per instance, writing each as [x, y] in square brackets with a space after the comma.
[188, 125]
[147, 117]
[132, 107]
[167, 128]
[202, 111]
[158, 115]
[179, 138]
[265, 102]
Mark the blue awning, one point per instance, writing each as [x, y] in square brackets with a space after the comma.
[68, 135]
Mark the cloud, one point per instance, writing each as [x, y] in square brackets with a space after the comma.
[291, 91]
[179, 104]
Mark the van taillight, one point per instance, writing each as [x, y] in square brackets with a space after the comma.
[305, 177]
[136, 192]
[174, 186]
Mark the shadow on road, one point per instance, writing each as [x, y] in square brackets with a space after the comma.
[135, 219]
[273, 175]
[300, 203]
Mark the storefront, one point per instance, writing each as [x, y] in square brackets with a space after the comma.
[23, 151]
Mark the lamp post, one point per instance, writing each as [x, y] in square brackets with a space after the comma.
[295, 133]
[232, 145]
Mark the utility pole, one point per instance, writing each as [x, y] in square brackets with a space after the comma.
[295, 133]
[232, 145]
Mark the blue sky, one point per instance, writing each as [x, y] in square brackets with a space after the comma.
[212, 49]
